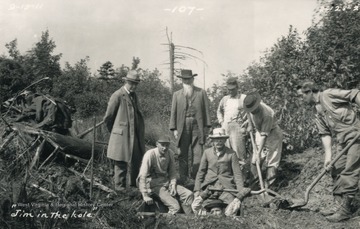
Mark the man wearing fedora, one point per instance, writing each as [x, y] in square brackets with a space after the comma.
[268, 136]
[220, 169]
[125, 122]
[231, 116]
[157, 179]
[189, 121]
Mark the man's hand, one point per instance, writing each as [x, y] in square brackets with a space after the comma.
[326, 165]
[176, 134]
[233, 207]
[196, 194]
[255, 158]
[173, 190]
[148, 200]
[246, 127]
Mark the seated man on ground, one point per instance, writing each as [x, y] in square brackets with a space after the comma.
[220, 169]
[157, 179]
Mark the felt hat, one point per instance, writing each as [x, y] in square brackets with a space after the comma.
[214, 203]
[164, 139]
[132, 76]
[252, 101]
[231, 82]
[218, 133]
[186, 74]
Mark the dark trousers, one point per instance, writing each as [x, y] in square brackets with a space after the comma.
[346, 172]
[190, 150]
[121, 167]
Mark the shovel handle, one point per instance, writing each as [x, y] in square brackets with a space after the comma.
[255, 149]
[261, 191]
[235, 190]
[316, 180]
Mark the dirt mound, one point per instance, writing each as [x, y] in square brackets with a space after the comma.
[299, 170]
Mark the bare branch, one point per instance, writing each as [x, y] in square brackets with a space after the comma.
[189, 48]
[167, 34]
[187, 54]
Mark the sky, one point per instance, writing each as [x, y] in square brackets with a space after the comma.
[231, 34]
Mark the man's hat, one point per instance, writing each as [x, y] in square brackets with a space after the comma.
[231, 82]
[211, 203]
[252, 101]
[164, 139]
[218, 133]
[132, 76]
[186, 74]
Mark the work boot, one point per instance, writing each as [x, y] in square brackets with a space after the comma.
[344, 211]
[333, 209]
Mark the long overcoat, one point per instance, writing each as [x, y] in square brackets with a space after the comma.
[120, 121]
[178, 112]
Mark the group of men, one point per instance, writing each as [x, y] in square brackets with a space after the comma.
[219, 168]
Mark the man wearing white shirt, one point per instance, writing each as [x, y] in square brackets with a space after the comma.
[231, 115]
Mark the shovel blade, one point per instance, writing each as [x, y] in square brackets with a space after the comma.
[298, 204]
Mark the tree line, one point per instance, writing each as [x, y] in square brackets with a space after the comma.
[328, 53]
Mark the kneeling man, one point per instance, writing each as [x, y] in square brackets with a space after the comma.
[219, 168]
[157, 178]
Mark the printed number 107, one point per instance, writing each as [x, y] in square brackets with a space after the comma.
[183, 9]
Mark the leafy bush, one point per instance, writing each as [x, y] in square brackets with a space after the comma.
[329, 55]
[155, 98]
[89, 104]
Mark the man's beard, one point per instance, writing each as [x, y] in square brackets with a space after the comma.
[188, 89]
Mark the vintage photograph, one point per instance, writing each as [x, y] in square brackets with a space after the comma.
[179, 114]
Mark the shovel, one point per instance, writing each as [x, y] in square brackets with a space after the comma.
[261, 181]
[264, 190]
[301, 203]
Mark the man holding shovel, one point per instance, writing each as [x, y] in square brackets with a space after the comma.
[268, 138]
[335, 115]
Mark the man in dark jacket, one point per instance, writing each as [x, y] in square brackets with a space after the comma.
[220, 169]
[189, 120]
[126, 124]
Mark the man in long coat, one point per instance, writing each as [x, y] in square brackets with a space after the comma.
[189, 119]
[126, 125]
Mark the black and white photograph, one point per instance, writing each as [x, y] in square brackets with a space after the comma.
[179, 114]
